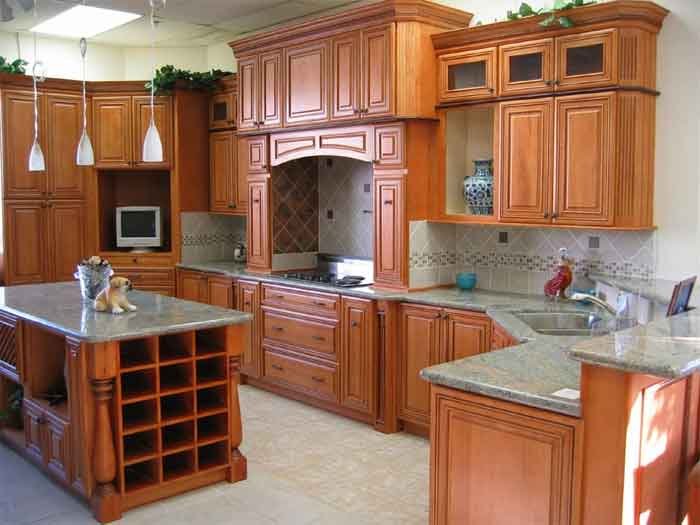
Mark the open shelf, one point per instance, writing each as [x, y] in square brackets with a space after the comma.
[176, 377]
[140, 446]
[45, 379]
[176, 407]
[177, 437]
[211, 341]
[138, 384]
[178, 465]
[211, 370]
[141, 475]
[176, 346]
[212, 428]
[214, 455]
[136, 416]
[211, 399]
[137, 353]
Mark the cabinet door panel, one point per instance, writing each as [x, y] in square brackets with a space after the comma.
[527, 67]
[220, 292]
[358, 363]
[58, 457]
[64, 128]
[389, 231]
[389, 146]
[113, 132]
[526, 163]
[248, 301]
[33, 430]
[468, 75]
[18, 121]
[164, 122]
[419, 347]
[25, 238]
[192, 286]
[587, 60]
[66, 238]
[345, 77]
[271, 90]
[241, 174]
[585, 152]
[378, 71]
[466, 335]
[259, 255]
[222, 165]
[256, 155]
[306, 93]
[222, 111]
[248, 85]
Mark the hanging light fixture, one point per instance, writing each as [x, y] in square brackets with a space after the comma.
[85, 155]
[36, 156]
[152, 145]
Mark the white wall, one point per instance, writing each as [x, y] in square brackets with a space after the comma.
[220, 56]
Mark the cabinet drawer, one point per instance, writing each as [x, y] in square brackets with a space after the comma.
[314, 302]
[138, 260]
[142, 277]
[311, 378]
[312, 335]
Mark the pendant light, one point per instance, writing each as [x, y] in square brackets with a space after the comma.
[85, 156]
[152, 145]
[36, 156]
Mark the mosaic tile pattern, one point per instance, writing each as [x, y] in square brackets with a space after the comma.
[210, 237]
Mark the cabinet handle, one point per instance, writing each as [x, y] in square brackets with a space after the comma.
[231, 205]
[256, 201]
[376, 162]
[546, 215]
[319, 303]
[277, 367]
[43, 205]
[134, 260]
[263, 166]
[318, 379]
[388, 202]
[279, 296]
[277, 329]
[41, 420]
[492, 90]
[549, 83]
[356, 111]
[247, 303]
[556, 82]
[318, 338]
[555, 215]
[354, 324]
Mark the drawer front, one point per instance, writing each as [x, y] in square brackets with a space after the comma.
[315, 336]
[313, 379]
[313, 302]
[146, 276]
[138, 260]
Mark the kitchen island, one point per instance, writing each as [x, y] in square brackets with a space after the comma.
[123, 409]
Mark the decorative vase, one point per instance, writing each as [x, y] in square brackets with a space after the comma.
[478, 188]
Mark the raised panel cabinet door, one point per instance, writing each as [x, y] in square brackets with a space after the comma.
[271, 88]
[248, 301]
[220, 292]
[527, 67]
[113, 132]
[466, 334]
[18, 123]
[241, 174]
[66, 238]
[222, 166]
[162, 109]
[389, 231]
[306, 83]
[259, 245]
[345, 77]
[58, 447]
[256, 155]
[25, 242]
[584, 159]
[248, 86]
[64, 126]
[192, 286]
[527, 149]
[222, 110]
[419, 347]
[467, 75]
[587, 60]
[34, 435]
[358, 364]
[378, 89]
[389, 146]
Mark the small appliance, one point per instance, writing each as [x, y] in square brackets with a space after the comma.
[139, 227]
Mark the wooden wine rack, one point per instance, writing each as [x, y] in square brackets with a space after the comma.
[172, 417]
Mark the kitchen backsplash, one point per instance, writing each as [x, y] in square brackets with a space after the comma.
[522, 259]
[209, 237]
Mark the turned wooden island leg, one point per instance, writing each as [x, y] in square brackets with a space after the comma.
[106, 501]
[236, 338]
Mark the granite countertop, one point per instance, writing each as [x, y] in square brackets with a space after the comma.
[657, 290]
[58, 307]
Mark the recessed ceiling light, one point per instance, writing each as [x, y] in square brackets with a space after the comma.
[84, 21]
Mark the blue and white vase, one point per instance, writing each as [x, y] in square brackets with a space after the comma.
[478, 188]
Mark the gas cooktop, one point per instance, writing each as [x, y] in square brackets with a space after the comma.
[346, 281]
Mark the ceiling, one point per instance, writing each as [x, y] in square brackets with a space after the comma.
[184, 22]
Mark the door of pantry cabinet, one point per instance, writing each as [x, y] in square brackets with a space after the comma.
[389, 241]
[222, 110]
[587, 60]
[18, 121]
[162, 109]
[419, 347]
[25, 236]
[527, 67]
[220, 292]
[248, 85]
[66, 238]
[271, 88]
[258, 225]
[466, 334]
[378, 90]
[527, 150]
[241, 174]
[222, 166]
[306, 83]
[192, 286]
[345, 77]
[584, 159]
[357, 358]
[256, 155]
[112, 122]
[64, 127]
[467, 75]
[248, 301]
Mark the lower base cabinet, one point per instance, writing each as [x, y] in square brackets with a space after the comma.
[200, 287]
[47, 440]
[248, 301]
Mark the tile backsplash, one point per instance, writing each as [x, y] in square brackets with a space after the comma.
[522, 259]
[210, 237]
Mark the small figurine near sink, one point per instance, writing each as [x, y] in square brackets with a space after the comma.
[556, 287]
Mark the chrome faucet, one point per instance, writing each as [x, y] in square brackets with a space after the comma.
[581, 297]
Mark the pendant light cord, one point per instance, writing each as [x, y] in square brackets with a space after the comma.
[36, 93]
[153, 60]
[83, 52]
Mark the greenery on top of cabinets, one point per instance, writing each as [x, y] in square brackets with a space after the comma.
[16, 67]
[169, 77]
[555, 16]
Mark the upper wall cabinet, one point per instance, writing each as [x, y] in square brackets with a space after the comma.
[223, 104]
[468, 75]
[342, 66]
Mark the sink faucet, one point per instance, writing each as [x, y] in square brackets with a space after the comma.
[595, 300]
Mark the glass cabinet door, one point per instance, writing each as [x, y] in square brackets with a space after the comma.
[587, 60]
[468, 75]
[222, 111]
[527, 67]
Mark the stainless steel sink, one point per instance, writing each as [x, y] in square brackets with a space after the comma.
[566, 323]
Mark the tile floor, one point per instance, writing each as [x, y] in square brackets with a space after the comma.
[305, 467]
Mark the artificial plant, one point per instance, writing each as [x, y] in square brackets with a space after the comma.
[168, 77]
[17, 67]
[554, 13]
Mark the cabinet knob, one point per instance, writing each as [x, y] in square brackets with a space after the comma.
[318, 338]
[277, 329]
[354, 324]
[231, 205]
[555, 215]
[356, 111]
[318, 379]
[256, 200]
[387, 203]
[134, 260]
[549, 83]
[546, 215]
[492, 90]
[277, 367]
[247, 303]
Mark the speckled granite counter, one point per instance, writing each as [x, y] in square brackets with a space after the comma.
[58, 307]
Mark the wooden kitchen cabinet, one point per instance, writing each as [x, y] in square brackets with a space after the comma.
[64, 127]
[390, 146]
[271, 90]
[223, 174]
[587, 60]
[220, 292]
[47, 439]
[346, 55]
[465, 334]
[526, 67]
[223, 108]
[248, 96]
[468, 75]
[248, 301]
[192, 286]
[66, 226]
[390, 231]
[162, 109]
[258, 225]
[256, 157]
[378, 90]
[307, 83]
[357, 355]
